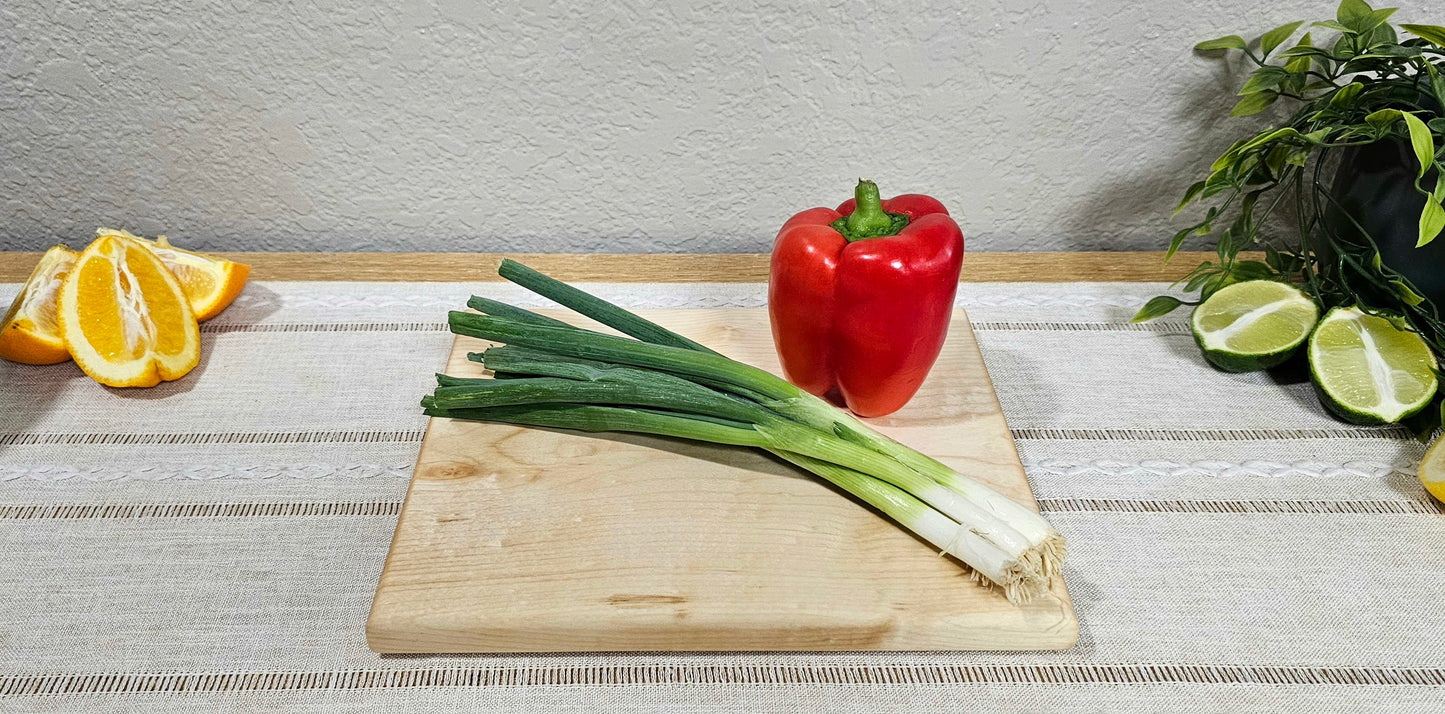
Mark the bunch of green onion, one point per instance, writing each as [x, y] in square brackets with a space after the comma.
[552, 374]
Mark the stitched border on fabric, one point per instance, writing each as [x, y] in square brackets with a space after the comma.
[324, 437]
[1119, 505]
[1394, 433]
[51, 472]
[1212, 469]
[91, 511]
[236, 437]
[213, 328]
[54, 473]
[1169, 328]
[74, 511]
[156, 683]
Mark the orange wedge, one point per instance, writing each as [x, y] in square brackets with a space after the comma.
[124, 316]
[30, 333]
[210, 283]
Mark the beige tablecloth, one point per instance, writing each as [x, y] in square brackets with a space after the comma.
[213, 543]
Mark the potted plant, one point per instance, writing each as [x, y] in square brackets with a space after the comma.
[1353, 172]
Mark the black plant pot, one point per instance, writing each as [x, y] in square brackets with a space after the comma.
[1375, 184]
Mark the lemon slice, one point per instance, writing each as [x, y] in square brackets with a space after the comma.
[124, 316]
[1432, 470]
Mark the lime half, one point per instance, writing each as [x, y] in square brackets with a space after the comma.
[1367, 371]
[1253, 325]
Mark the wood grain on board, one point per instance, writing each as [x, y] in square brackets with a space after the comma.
[662, 268]
[526, 540]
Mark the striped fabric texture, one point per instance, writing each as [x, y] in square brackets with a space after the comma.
[212, 544]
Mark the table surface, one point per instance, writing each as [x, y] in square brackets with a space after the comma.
[213, 543]
[663, 268]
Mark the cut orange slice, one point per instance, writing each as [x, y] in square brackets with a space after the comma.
[210, 283]
[124, 316]
[30, 333]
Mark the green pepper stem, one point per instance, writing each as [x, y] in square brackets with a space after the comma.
[868, 217]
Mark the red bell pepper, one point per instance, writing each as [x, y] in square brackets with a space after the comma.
[860, 297]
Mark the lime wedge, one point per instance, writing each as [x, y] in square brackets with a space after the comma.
[1253, 325]
[1367, 371]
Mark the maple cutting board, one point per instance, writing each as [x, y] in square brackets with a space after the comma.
[532, 540]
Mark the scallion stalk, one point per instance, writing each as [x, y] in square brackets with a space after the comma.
[591, 417]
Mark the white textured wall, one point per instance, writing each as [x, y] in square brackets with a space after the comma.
[617, 126]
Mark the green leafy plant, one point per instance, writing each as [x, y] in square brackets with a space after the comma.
[1366, 85]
